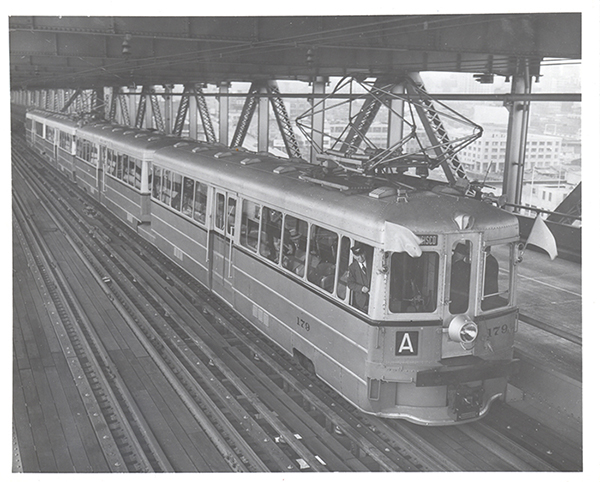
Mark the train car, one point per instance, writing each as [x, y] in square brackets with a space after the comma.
[425, 332]
[53, 136]
[114, 165]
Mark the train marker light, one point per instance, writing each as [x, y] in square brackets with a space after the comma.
[464, 221]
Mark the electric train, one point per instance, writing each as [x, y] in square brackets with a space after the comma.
[432, 343]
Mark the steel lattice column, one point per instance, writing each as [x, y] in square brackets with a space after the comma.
[435, 130]
[516, 141]
[112, 113]
[223, 113]
[283, 121]
[363, 120]
[181, 112]
[317, 120]
[207, 126]
[246, 115]
[396, 116]
[141, 110]
[156, 114]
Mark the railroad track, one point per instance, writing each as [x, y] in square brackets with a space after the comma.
[263, 411]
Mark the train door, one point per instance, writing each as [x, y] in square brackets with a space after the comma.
[221, 245]
[100, 173]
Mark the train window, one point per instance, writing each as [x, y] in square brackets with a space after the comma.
[39, 129]
[156, 182]
[344, 262]
[111, 162]
[250, 225]
[64, 141]
[94, 154]
[187, 203]
[231, 205]
[119, 170]
[129, 170]
[200, 197]
[496, 278]
[220, 212]
[49, 134]
[138, 174]
[176, 192]
[322, 257]
[460, 277]
[414, 283]
[270, 234]
[295, 234]
[165, 196]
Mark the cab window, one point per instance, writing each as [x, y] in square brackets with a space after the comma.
[414, 283]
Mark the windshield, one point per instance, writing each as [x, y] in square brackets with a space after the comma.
[413, 283]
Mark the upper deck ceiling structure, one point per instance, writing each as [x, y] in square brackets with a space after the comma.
[89, 52]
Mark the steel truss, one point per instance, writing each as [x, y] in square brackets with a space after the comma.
[256, 91]
[430, 143]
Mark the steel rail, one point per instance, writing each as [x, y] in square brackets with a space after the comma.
[118, 298]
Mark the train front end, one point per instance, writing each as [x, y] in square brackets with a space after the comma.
[443, 351]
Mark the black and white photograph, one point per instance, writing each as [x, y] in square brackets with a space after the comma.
[289, 240]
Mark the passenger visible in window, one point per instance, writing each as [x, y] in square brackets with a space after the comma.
[359, 278]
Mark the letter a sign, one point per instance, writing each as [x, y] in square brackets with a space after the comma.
[407, 343]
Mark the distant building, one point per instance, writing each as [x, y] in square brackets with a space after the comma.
[486, 154]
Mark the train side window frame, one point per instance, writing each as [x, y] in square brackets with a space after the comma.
[322, 257]
[187, 197]
[343, 263]
[220, 203]
[200, 199]
[295, 244]
[165, 195]
[176, 187]
[250, 223]
[268, 247]
[156, 182]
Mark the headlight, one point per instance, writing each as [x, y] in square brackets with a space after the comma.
[462, 330]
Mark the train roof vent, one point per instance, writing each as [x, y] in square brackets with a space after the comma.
[383, 191]
[107, 127]
[128, 133]
[141, 134]
[196, 150]
[117, 129]
[181, 144]
[153, 138]
[250, 160]
[284, 169]
[219, 155]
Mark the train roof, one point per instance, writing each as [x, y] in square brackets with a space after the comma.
[54, 119]
[286, 185]
[127, 140]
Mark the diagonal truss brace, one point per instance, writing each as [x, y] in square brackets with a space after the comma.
[207, 125]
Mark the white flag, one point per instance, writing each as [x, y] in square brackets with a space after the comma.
[542, 237]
